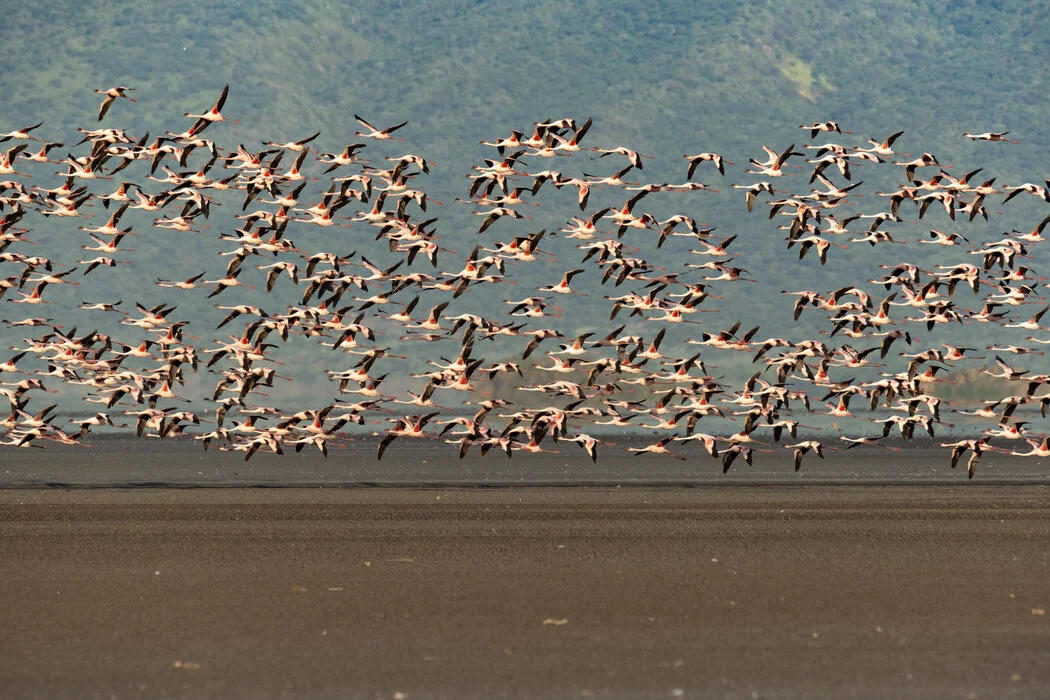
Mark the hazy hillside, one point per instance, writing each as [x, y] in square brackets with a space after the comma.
[663, 78]
[667, 75]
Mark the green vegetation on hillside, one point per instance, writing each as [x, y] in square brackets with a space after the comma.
[663, 78]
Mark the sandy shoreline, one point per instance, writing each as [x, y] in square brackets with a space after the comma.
[898, 591]
[183, 464]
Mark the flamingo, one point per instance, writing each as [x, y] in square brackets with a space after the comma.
[409, 427]
[212, 115]
[378, 134]
[111, 95]
[657, 448]
[990, 136]
[714, 158]
[21, 134]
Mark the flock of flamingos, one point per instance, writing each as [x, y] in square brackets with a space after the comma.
[622, 376]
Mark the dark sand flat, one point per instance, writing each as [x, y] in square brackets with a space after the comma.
[896, 591]
[124, 463]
